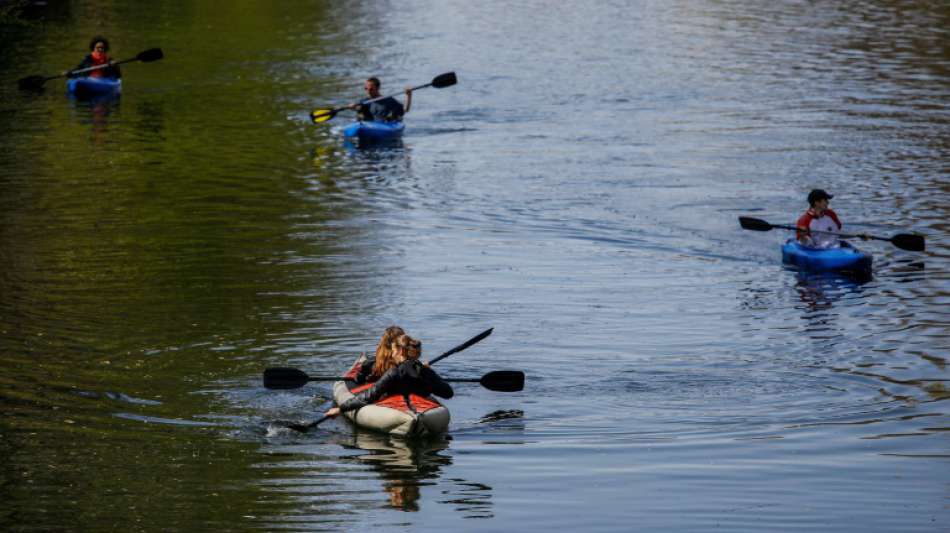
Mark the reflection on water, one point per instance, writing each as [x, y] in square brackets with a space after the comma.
[819, 291]
[97, 113]
[403, 466]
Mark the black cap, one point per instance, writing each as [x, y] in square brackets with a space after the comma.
[818, 194]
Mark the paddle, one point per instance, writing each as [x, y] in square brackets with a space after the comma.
[291, 378]
[34, 83]
[280, 378]
[304, 427]
[439, 82]
[905, 241]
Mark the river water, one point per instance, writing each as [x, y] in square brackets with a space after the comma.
[578, 190]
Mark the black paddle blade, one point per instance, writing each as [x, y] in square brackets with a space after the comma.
[444, 80]
[754, 224]
[302, 428]
[906, 241]
[285, 378]
[503, 381]
[152, 54]
[31, 83]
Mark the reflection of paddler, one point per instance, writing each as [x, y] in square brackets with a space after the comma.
[404, 465]
[393, 393]
[403, 496]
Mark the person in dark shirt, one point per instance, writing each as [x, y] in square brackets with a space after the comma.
[98, 55]
[399, 372]
[386, 109]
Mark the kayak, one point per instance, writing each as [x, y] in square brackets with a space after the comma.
[845, 258]
[424, 416]
[374, 131]
[92, 87]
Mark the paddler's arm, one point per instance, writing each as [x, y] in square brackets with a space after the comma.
[436, 384]
[803, 235]
[408, 101]
[368, 396]
[365, 371]
[85, 63]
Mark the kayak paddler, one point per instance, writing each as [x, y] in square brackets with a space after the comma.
[819, 218]
[385, 110]
[98, 55]
[397, 370]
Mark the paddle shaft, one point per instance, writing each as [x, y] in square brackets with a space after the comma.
[378, 98]
[88, 69]
[441, 81]
[845, 235]
[304, 427]
[905, 241]
[464, 345]
[36, 82]
[97, 67]
[341, 378]
[292, 378]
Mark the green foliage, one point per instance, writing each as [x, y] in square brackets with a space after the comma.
[11, 12]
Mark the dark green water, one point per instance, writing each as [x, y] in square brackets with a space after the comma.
[577, 190]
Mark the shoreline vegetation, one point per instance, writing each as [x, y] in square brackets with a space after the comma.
[16, 12]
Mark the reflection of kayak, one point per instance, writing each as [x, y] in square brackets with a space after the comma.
[91, 87]
[845, 258]
[423, 416]
[374, 131]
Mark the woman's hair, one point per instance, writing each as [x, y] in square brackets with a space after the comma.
[386, 341]
[403, 344]
[410, 347]
[384, 350]
[98, 39]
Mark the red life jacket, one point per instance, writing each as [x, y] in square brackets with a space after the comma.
[419, 404]
[98, 58]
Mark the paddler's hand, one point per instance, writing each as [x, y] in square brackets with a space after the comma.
[408, 91]
[864, 236]
[332, 412]
[425, 364]
[354, 107]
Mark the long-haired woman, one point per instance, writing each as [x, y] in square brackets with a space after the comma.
[402, 373]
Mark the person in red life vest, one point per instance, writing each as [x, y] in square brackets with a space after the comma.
[98, 55]
[399, 372]
[818, 226]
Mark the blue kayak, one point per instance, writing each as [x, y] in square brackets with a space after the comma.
[845, 258]
[374, 131]
[92, 87]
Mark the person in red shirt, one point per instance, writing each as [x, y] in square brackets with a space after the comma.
[98, 55]
[818, 218]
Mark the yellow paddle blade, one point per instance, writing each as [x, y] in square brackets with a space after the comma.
[321, 115]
